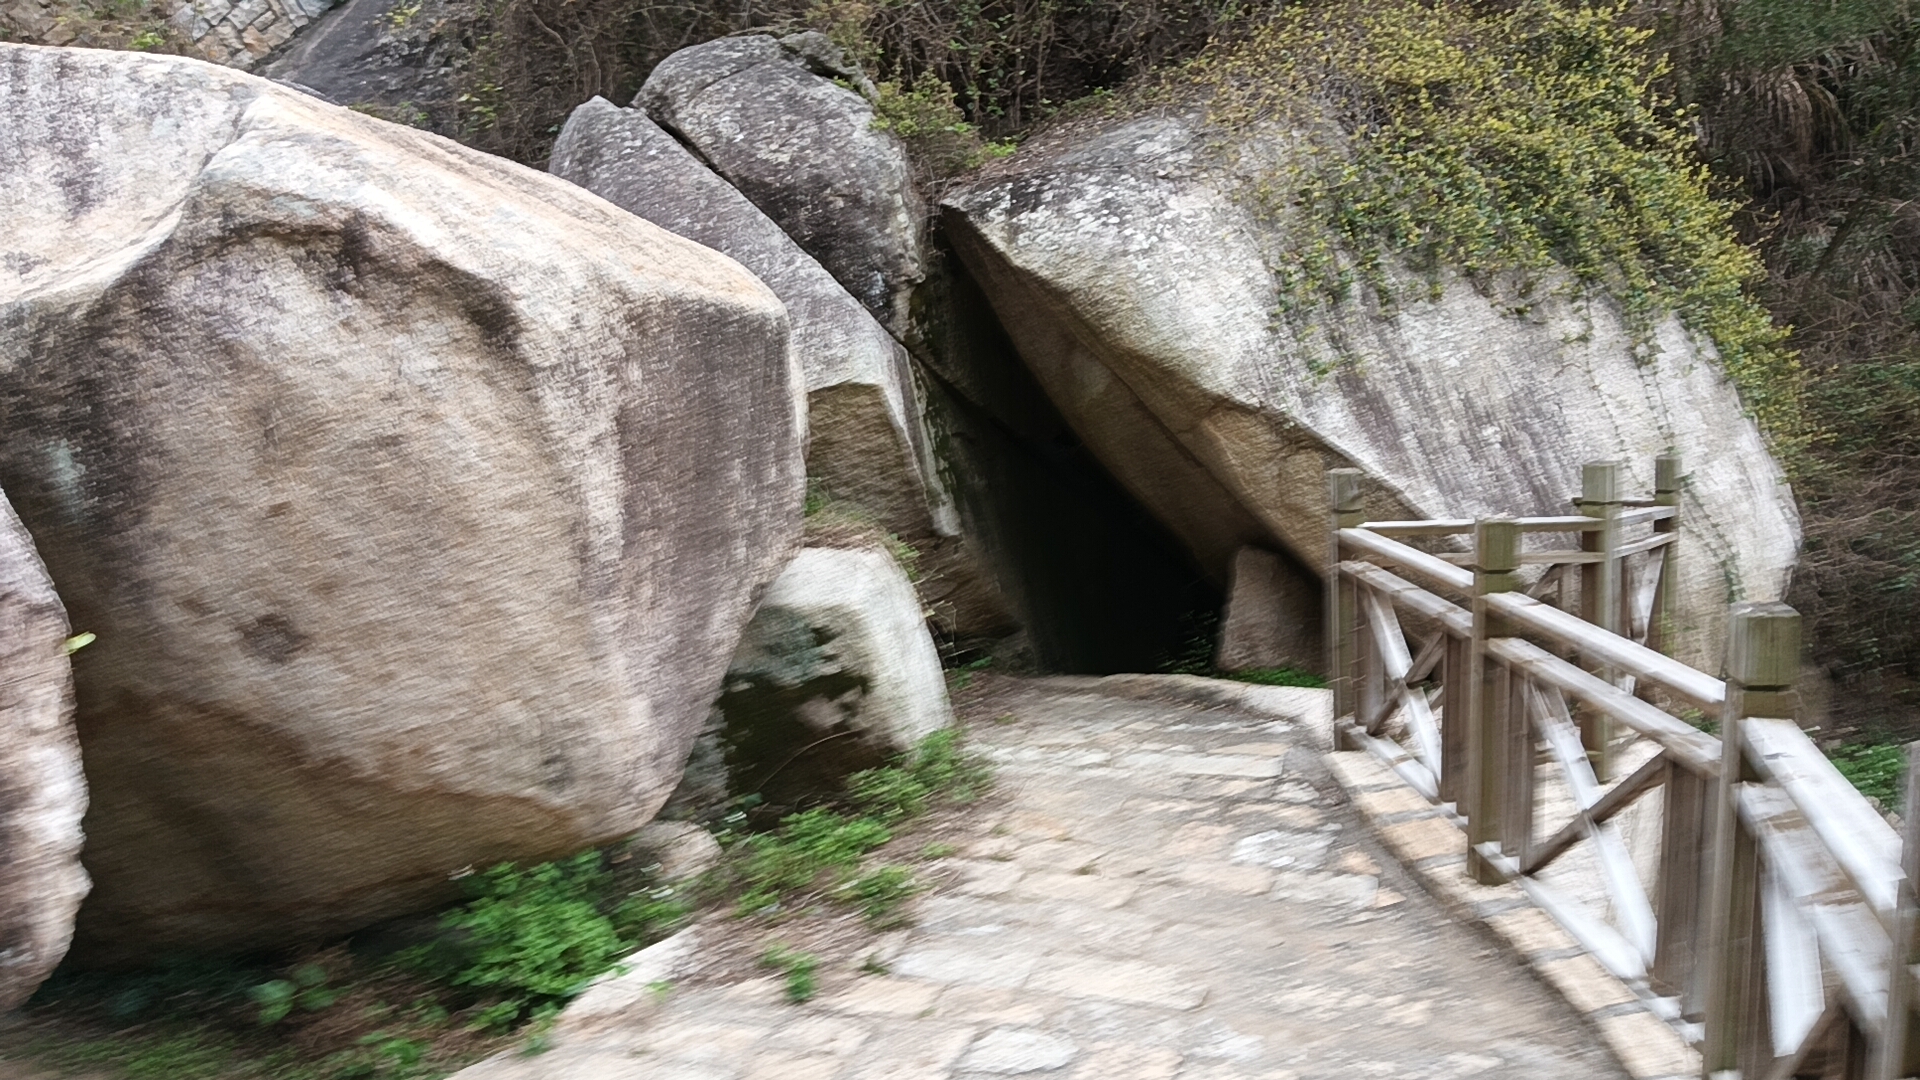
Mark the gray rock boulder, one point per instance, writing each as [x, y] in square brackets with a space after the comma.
[42, 791]
[768, 115]
[417, 498]
[835, 673]
[1135, 282]
[1263, 624]
[868, 443]
[397, 61]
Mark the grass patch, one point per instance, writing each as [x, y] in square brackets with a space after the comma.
[1877, 770]
[1504, 142]
[798, 967]
[492, 969]
[533, 937]
[1278, 676]
[817, 853]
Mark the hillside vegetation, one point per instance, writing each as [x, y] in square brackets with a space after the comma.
[1632, 142]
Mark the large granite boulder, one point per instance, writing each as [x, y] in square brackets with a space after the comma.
[868, 444]
[769, 116]
[835, 673]
[42, 791]
[418, 499]
[1134, 278]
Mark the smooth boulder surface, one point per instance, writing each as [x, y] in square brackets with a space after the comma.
[767, 114]
[1134, 279]
[1262, 624]
[42, 791]
[835, 673]
[417, 498]
[868, 444]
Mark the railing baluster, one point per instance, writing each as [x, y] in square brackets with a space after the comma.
[1496, 555]
[1455, 723]
[1686, 852]
[1896, 1057]
[1763, 650]
[1600, 589]
[1516, 834]
[1344, 488]
[1666, 492]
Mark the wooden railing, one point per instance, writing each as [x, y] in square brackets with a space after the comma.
[1545, 720]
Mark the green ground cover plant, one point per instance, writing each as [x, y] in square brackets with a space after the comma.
[1503, 142]
[1276, 676]
[1878, 770]
[816, 854]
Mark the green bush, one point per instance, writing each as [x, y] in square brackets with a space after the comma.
[530, 938]
[1877, 770]
[880, 893]
[818, 850]
[1279, 676]
[798, 967]
[1502, 141]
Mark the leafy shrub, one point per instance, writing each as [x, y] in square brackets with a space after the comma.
[1877, 770]
[937, 768]
[880, 893]
[818, 850]
[804, 847]
[1501, 141]
[939, 139]
[1280, 676]
[799, 969]
[533, 937]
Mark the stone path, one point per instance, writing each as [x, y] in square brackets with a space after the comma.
[1162, 892]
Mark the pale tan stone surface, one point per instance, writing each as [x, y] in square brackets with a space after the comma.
[1423, 838]
[1586, 985]
[1183, 979]
[42, 791]
[1649, 1047]
[1529, 930]
[425, 495]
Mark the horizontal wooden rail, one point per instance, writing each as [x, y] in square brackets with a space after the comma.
[1657, 540]
[1696, 688]
[1429, 567]
[1437, 527]
[1693, 749]
[1452, 617]
[1615, 799]
[1861, 841]
[1852, 940]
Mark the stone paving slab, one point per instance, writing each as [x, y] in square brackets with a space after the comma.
[1166, 891]
[1426, 839]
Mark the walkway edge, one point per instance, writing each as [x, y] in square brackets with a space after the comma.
[1430, 846]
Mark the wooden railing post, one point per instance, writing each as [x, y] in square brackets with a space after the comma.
[1343, 486]
[1666, 492]
[1496, 557]
[1763, 653]
[1686, 860]
[1600, 590]
[1895, 1057]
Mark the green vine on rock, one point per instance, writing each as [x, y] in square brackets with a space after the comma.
[1503, 144]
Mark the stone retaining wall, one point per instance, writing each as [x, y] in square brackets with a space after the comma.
[240, 33]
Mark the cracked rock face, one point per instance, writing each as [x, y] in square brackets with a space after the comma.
[42, 791]
[1137, 286]
[768, 115]
[417, 499]
[868, 444]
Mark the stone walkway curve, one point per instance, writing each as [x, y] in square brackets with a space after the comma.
[1159, 892]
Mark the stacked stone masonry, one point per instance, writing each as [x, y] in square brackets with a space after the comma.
[241, 33]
